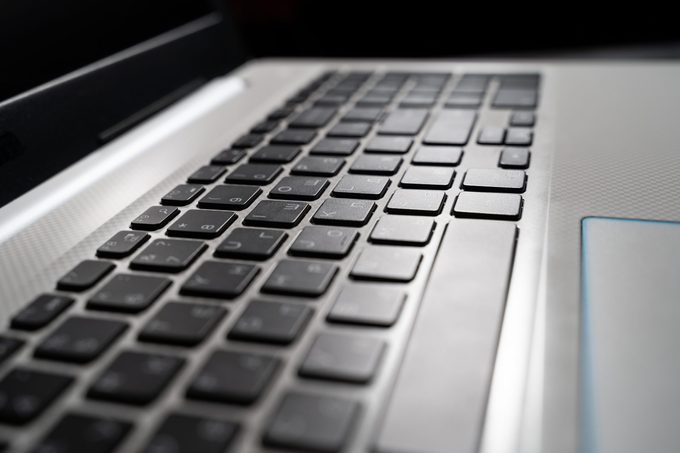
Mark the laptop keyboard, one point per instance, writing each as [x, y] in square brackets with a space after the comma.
[358, 169]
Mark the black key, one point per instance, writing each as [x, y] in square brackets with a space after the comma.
[514, 158]
[491, 136]
[522, 119]
[356, 130]
[519, 137]
[206, 174]
[394, 145]
[264, 127]
[271, 322]
[421, 177]
[294, 137]
[300, 278]
[228, 157]
[387, 263]
[362, 114]
[220, 280]
[323, 423]
[78, 433]
[233, 377]
[201, 223]
[182, 195]
[135, 378]
[26, 393]
[40, 312]
[277, 214]
[275, 154]
[80, 339]
[485, 180]
[403, 122]
[369, 305]
[331, 99]
[473, 83]
[281, 112]
[451, 127]
[375, 99]
[229, 196]
[438, 155]
[324, 242]
[352, 186]
[191, 434]
[419, 99]
[499, 206]
[182, 324]
[335, 146]
[128, 293]
[154, 218]
[85, 275]
[247, 141]
[340, 357]
[168, 255]
[251, 244]
[318, 166]
[257, 174]
[344, 212]
[8, 346]
[299, 188]
[417, 202]
[516, 98]
[464, 100]
[376, 165]
[402, 230]
[314, 117]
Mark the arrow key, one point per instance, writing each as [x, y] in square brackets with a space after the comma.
[251, 243]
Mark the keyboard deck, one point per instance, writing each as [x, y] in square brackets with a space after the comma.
[260, 303]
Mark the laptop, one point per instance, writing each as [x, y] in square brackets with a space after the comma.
[202, 254]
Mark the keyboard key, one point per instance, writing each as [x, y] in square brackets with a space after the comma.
[369, 305]
[314, 117]
[416, 202]
[299, 188]
[277, 214]
[387, 263]
[278, 154]
[77, 433]
[281, 112]
[8, 346]
[500, 206]
[344, 212]
[335, 146]
[350, 130]
[206, 174]
[26, 393]
[393, 145]
[228, 157]
[122, 244]
[322, 423]
[220, 280]
[451, 127]
[341, 357]
[438, 155]
[40, 312]
[192, 434]
[419, 99]
[491, 136]
[201, 223]
[264, 127]
[519, 137]
[257, 174]
[251, 244]
[128, 293]
[294, 137]
[464, 100]
[515, 98]
[332, 99]
[403, 230]
[371, 187]
[517, 158]
[376, 165]
[182, 324]
[522, 119]
[182, 195]
[318, 166]
[324, 242]
[135, 378]
[229, 196]
[154, 218]
[300, 278]
[485, 180]
[362, 114]
[85, 275]
[168, 255]
[80, 339]
[375, 99]
[233, 377]
[473, 83]
[271, 322]
[404, 122]
[421, 177]
[247, 141]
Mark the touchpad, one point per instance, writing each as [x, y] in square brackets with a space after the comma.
[630, 355]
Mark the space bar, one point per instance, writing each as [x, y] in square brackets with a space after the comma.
[439, 400]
